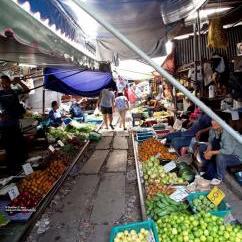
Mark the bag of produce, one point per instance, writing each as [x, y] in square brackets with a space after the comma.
[95, 136]
[216, 35]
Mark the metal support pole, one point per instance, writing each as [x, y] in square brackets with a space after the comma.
[164, 73]
[43, 102]
[195, 51]
[200, 52]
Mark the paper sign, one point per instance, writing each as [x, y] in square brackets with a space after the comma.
[60, 143]
[170, 166]
[51, 148]
[171, 150]
[235, 115]
[27, 169]
[13, 192]
[179, 194]
[216, 196]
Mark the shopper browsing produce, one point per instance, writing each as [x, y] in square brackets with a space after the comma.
[11, 112]
[122, 105]
[55, 116]
[106, 103]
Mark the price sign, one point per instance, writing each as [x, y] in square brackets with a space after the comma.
[179, 194]
[216, 196]
[60, 143]
[170, 166]
[13, 192]
[51, 148]
[171, 150]
[27, 169]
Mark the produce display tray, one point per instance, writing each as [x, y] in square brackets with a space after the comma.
[149, 225]
[222, 210]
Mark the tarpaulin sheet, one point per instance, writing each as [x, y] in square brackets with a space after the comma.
[77, 82]
[56, 15]
[141, 21]
[175, 10]
[30, 32]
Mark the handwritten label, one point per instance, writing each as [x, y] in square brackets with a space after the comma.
[13, 192]
[170, 166]
[27, 169]
[216, 196]
[171, 150]
[179, 194]
[60, 143]
[235, 115]
[51, 148]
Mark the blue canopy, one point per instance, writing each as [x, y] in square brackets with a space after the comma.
[77, 82]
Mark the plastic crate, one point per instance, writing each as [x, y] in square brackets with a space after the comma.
[143, 138]
[146, 133]
[221, 211]
[162, 133]
[148, 224]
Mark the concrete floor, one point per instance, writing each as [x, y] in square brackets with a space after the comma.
[99, 197]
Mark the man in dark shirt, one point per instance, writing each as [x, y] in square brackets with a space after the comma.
[11, 112]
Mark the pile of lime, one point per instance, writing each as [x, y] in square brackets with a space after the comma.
[202, 203]
[132, 236]
[202, 227]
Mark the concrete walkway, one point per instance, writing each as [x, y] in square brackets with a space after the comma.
[98, 198]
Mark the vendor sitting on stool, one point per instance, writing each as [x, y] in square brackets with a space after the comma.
[76, 112]
[222, 151]
[181, 139]
[55, 116]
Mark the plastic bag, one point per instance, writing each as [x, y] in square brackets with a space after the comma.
[216, 35]
[97, 112]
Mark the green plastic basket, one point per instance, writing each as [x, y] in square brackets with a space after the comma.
[221, 211]
[148, 224]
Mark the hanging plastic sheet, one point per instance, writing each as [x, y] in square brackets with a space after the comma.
[175, 10]
[56, 14]
[139, 20]
[77, 82]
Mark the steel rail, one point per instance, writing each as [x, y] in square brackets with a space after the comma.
[140, 187]
[52, 192]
